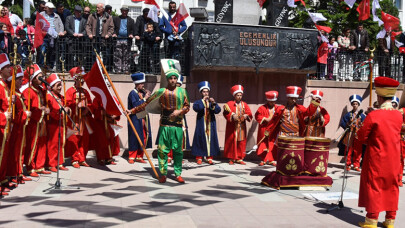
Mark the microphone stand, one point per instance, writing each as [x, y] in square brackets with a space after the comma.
[340, 204]
[58, 183]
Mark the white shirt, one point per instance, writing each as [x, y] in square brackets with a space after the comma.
[14, 20]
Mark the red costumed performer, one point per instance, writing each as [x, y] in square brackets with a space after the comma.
[381, 169]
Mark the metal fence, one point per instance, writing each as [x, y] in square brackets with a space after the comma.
[355, 66]
[120, 55]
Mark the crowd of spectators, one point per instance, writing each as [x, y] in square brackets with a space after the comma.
[75, 36]
[350, 55]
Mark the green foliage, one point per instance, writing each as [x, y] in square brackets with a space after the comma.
[340, 16]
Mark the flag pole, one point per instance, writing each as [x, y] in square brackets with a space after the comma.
[129, 119]
[371, 77]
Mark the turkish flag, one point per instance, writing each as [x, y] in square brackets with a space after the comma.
[97, 84]
[395, 34]
[261, 2]
[324, 28]
[152, 2]
[181, 14]
[390, 22]
[41, 29]
[364, 10]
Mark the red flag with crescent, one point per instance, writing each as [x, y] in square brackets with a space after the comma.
[41, 29]
[99, 86]
[181, 14]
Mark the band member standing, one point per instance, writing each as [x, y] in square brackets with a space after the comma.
[35, 95]
[354, 121]
[174, 104]
[142, 125]
[52, 124]
[236, 113]
[289, 120]
[315, 123]
[79, 101]
[17, 136]
[205, 142]
[381, 169]
[5, 120]
[265, 148]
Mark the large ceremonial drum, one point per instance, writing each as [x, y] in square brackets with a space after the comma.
[290, 155]
[316, 155]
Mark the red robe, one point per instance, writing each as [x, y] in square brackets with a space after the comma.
[77, 145]
[315, 123]
[235, 137]
[302, 112]
[266, 148]
[381, 163]
[402, 110]
[17, 139]
[52, 125]
[36, 139]
[4, 96]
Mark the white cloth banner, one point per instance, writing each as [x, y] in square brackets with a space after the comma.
[376, 5]
[398, 44]
[291, 3]
[381, 34]
[317, 17]
[350, 3]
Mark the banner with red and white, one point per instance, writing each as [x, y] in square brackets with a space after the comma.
[41, 29]
[181, 14]
[97, 83]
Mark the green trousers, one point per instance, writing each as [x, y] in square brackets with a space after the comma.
[170, 138]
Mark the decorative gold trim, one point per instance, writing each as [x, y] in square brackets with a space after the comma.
[318, 139]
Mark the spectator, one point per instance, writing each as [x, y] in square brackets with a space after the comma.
[62, 12]
[23, 46]
[76, 30]
[322, 58]
[41, 8]
[6, 38]
[124, 31]
[402, 40]
[86, 12]
[385, 50]
[108, 9]
[333, 49]
[360, 43]
[150, 50]
[175, 41]
[100, 28]
[28, 28]
[4, 19]
[14, 18]
[168, 30]
[140, 28]
[48, 45]
[343, 55]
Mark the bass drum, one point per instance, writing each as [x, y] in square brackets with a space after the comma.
[316, 156]
[290, 155]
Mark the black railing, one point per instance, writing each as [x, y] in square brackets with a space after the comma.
[355, 66]
[120, 55]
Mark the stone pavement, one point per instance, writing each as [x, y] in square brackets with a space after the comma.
[220, 195]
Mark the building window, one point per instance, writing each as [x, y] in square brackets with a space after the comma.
[398, 4]
[134, 12]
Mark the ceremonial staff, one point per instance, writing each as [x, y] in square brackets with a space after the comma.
[30, 72]
[371, 75]
[45, 70]
[129, 119]
[63, 82]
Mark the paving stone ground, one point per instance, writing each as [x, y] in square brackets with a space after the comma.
[220, 195]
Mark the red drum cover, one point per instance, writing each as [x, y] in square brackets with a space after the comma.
[316, 155]
[290, 155]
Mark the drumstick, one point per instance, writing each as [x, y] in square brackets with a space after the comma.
[266, 134]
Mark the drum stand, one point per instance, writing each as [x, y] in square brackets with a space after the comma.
[340, 204]
[58, 183]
